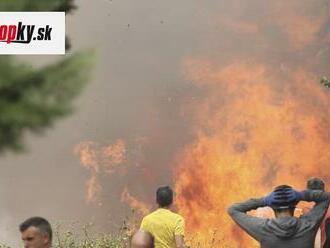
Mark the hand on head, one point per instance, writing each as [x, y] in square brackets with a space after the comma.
[283, 196]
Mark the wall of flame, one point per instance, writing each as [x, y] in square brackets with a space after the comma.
[257, 116]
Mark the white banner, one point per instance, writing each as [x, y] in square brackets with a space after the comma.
[32, 33]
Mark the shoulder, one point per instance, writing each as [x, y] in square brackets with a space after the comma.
[149, 216]
[177, 217]
[146, 222]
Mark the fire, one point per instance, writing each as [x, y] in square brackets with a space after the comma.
[136, 205]
[138, 208]
[98, 161]
[259, 118]
[113, 155]
[89, 160]
[251, 134]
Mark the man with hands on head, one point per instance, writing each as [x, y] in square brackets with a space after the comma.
[285, 230]
[315, 183]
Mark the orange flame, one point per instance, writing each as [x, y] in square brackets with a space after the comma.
[134, 203]
[97, 161]
[251, 134]
[113, 155]
[138, 208]
[258, 122]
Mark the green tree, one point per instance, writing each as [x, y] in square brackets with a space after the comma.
[37, 5]
[326, 81]
[31, 99]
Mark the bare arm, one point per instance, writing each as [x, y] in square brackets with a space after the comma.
[179, 241]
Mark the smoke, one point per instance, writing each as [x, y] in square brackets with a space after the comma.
[251, 115]
[219, 99]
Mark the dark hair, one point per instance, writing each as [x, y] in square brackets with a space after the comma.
[283, 202]
[315, 183]
[164, 196]
[282, 187]
[38, 222]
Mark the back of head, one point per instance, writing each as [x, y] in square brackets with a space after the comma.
[284, 201]
[315, 183]
[164, 196]
[38, 222]
[142, 239]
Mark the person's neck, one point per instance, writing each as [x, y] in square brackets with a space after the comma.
[283, 214]
[166, 207]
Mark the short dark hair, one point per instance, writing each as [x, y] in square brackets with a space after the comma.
[41, 223]
[283, 202]
[164, 196]
[315, 183]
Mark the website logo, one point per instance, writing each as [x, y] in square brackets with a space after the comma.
[32, 33]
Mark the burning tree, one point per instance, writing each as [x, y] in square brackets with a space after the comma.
[33, 98]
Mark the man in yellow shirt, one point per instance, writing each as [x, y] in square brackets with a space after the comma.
[166, 227]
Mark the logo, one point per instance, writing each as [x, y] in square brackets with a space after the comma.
[23, 33]
[32, 33]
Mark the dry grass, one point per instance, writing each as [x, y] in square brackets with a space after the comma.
[69, 236]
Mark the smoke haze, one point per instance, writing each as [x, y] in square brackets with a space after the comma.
[192, 89]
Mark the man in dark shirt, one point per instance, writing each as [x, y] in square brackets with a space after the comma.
[318, 184]
[285, 230]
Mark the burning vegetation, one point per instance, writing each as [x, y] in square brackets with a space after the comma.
[257, 115]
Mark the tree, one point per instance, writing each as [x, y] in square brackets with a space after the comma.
[31, 99]
[37, 5]
[326, 81]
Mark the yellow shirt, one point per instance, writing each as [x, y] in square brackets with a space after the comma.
[163, 225]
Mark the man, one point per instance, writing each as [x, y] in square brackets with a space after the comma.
[36, 233]
[318, 184]
[166, 227]
[142, 240]
[285, 230]
[315, 183]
